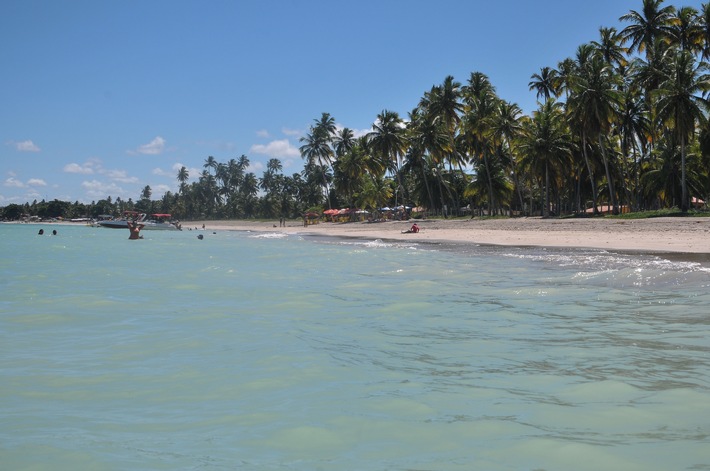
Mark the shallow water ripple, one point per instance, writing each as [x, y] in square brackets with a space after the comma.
[259, 351]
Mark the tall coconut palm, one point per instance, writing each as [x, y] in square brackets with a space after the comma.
[429, 144]
[443, 103]
[343, 141]
[686, 30]
[546, 83]
[316, 148]
[388, 140]
[505, 127]
[650, 24]
[592, 105]
[679, 106]
[210, 163]
[704, 20]
[610, 46]
[182, 176]
[481, 103]
[565, 70]
[545, 143]
[634, 126]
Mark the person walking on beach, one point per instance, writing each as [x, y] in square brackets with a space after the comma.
[135, 229]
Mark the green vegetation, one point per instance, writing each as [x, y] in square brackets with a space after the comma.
[622, 124]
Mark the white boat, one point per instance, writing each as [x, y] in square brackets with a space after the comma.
[156, 222]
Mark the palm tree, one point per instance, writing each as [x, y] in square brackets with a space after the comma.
[387, 139]
[476, 138]
[546, 83]
[210, 163]
[349, 173]
[506, 128]
[609, 46]
[592, 106]
[651, 24]
[443, 103]
[182, 176]
[679, 107]
[634, 128]
[565, 70]
[428, 144]
[545, 143]
[704, 20]
[686, 30]
[316, 148]
[343, 142]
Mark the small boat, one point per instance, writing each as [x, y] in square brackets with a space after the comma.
[158, 221]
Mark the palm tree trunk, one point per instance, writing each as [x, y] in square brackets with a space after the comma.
[683, 181]
[490, 187]
[426, 183]
[589, 169]
[609, 181]
[546, 210]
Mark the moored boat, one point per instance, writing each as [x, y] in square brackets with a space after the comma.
[158, 221]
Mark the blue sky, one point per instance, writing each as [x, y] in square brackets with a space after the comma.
[100, 98]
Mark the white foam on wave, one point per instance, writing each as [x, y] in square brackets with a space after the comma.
[269, 235]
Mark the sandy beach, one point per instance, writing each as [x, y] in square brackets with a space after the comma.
[655, 235]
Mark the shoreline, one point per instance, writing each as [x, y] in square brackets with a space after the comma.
[655, 235]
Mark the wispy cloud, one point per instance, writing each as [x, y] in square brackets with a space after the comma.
[120, 176]
[280, 148]
[36, 182]
[13, 182]
[97, 189]
[24, 146]
[154, 147]
[291, 132]
[85, 169]
[160, 189]
[262, 133]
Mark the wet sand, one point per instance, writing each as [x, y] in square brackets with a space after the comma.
[655, 235]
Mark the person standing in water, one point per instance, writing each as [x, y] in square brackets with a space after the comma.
[135, 229]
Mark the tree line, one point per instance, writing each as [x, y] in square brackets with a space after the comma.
[623, 123]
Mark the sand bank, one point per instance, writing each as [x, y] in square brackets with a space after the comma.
[656, 235]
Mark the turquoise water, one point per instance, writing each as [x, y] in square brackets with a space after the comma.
[267, 352]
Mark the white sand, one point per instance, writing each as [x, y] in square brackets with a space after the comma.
[682, 235]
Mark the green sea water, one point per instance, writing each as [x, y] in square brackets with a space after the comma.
[271, 352]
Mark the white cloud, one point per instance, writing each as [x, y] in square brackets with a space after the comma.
[14, 183]
[162, 173]
[356, 132]
[26, 146]
[255, 167]
[89, 167]
[262, 133]
[280, 148]
[120, 176]
[154, 147]
[291, 132]
[36, 182]
[97, 189]
[85, 169]
[160, 189]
